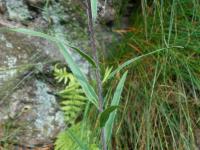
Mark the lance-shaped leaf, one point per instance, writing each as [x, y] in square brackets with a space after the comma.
[94, 9]
[105, 115]
[115, 101]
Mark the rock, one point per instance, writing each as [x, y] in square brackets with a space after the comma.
[17, 10]
[22, 96]
[38, 111]
[107, 13]
[12, 55]
[71, 31]
[16, 50]
[36, 3]
[197, 137]
[25, 98]
[2, 6]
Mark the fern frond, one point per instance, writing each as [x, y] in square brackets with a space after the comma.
[61, 74]
[72, 103]
[64, 142]
[72, 96]
[75, 138]
[71, 109]
[75, 103]
[106, 75]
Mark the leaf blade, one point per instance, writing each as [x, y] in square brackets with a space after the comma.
[84, 55]
[125, 64]
[94, 9]
[51, 38]
[105, 115]
[88, 90]
[115, 101]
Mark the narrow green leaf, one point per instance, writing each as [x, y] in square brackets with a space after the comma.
[94, 9]
[48, 37]
[89, 91]
[84, 55]
[107, 73]
[115, 101]
[105, 115]
[29, 32]
[125, 64]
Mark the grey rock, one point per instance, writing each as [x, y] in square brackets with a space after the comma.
[17, 10]
[23, 97]
[38, 111]
[69, 31]
[107, 12]
[36, 3]
[2, 6]
[17, 53]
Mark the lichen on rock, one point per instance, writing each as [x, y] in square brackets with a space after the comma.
[24, 97]
[38, 110]
[17, 10]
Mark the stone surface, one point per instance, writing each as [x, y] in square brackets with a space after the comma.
[33, 107]
[107, 12]
[2, 6]
[17, 53]
[17, 10]
[36, 3]
[22, 96]
[197, 138]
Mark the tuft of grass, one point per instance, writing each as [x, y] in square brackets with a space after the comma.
[160, 107]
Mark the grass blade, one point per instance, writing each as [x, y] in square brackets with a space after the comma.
[84, 55]
[125, 64]
[88, 90]
[105, 115]
[51, 38]
[29, 32]
[115, 101]
[94, 9]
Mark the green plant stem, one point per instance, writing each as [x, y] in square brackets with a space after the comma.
[97, 69]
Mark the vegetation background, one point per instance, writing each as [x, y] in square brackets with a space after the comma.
[158, 43]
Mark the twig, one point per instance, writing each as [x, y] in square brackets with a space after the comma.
[97, 69]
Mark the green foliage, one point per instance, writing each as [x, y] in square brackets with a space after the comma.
[84, 55]
[72, 98]
[76, 137]
[114, 102]
[106, 74]
[131, 61]
[61, 74]
[9, 130]
[87, 88]
[94, 9]
[160, 105]
[72, 101]
[105, 115]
